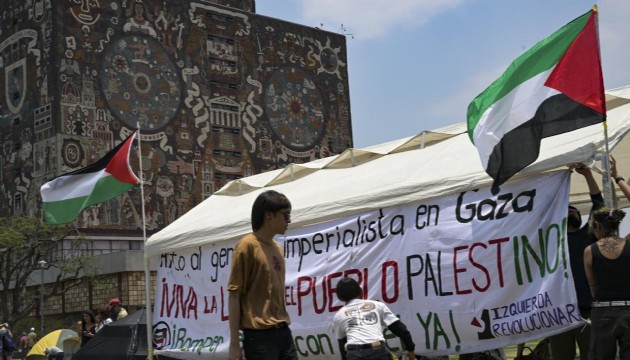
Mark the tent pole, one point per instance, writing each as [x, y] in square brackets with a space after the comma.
[147, 271]
[609, 198]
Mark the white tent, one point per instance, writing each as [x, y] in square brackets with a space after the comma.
[428, 165]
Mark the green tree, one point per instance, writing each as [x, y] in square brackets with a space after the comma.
[24, 243]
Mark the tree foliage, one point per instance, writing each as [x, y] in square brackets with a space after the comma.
[24, 243]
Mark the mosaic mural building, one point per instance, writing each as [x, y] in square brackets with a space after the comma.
[217, 92]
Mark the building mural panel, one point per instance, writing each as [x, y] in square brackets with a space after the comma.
[25, 103]
[217, 91]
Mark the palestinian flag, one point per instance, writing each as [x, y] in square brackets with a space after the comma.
[66, 196]
[553, 88]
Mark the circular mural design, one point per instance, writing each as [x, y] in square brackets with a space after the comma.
[294, 107]
[140, 82]
[72, 153]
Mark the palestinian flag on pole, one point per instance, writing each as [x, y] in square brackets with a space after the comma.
[67, 195]
[555, 87]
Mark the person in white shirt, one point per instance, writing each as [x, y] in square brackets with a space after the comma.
[360, 323]
[102, 319]
[54, 353]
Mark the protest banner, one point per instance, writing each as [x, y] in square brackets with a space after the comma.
[465, 272]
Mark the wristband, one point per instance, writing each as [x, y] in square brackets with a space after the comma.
[619, 178]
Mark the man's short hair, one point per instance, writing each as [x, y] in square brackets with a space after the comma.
[268, 201]
[348, 289]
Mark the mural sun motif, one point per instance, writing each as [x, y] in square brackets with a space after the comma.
[329, 59]
[295, 108]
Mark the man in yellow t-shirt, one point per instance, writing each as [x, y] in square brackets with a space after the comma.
[257, 285]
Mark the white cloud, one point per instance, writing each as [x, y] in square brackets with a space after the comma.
[367, 19]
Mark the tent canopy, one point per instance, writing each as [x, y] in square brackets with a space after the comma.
[62, 338]
[125, 339]
[413, 169]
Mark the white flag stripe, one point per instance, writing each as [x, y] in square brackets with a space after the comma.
[71, 186]
[510, 112]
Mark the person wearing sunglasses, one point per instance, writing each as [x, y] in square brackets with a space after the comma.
[257, 285]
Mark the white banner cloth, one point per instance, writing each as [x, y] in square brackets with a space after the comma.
[465, 272]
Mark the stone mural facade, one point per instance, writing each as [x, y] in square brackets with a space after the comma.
[217, 92]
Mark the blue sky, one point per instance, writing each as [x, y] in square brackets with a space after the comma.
[416, 64]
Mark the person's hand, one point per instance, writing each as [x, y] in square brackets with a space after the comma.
[411, 355]
[234, 351]
[582, 169]
[613, 167]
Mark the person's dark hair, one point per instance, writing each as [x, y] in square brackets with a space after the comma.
[571, 207]
[348, 289]
[90, 314]
[575, 220]
[609, 219]
[268, 201]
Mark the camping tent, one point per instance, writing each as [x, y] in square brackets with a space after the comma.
[65, 339]
[125, 339]
[71, 346]
[428, 165]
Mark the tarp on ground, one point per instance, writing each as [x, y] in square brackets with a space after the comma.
[62, 338]
[125, 339]
[428, 165]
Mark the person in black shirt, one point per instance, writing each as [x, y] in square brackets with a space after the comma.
[607, 264]
[563, 345]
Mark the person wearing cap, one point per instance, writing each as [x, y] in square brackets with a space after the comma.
[117, 310]
[578, 238]
[31, 339]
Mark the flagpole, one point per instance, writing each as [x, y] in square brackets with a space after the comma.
[147, 271]
[608, 187]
